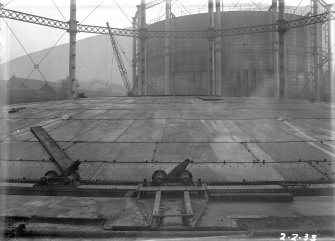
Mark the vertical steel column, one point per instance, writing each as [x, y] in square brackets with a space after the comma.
[218, 51]
[331, 67]
[4, 71]
[72, 85]
[275, 50]
[167, 47]
[211, 39]
[134, 61]
[282, 51]
[316, 67]
[141, 51]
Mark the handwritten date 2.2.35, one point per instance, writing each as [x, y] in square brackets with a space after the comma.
[296, 237]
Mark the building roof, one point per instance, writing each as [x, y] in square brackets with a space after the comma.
[17, 83]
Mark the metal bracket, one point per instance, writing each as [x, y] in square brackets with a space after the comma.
[67, 167]
[159, 213]
[178, 175]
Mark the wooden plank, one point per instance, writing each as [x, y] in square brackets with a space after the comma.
[157, 204]
[62, 160]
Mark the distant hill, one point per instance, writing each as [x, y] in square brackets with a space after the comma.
[95, 67]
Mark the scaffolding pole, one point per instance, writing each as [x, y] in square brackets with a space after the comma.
[134, 61]
[316, 60]
[211, 53]
[142, 51]
[167, 47]
[218, 50]
[282, 51]
[275, 50]
[72, 84]
[331, 67]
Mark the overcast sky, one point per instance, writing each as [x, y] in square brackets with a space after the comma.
[35, 37]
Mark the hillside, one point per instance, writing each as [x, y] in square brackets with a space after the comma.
[95, 67]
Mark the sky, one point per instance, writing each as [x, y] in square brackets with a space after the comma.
[34, 37]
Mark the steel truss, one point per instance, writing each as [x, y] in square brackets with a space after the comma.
[25, 17]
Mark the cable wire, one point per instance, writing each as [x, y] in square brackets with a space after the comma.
[92, 11]
[292, 17]
[31, 59]
[8, 3]
[181, 10]
[184, 7]
[257, 5]
[58, 10]
[123, 12]
[50, 49]
[19, 42]
[203, 5]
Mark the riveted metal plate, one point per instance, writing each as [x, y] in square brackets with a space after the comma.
[297, 172]
[213, 172]
[326, 168]
[31, 170]
[88, 170]
[208, 172]
[129, 216]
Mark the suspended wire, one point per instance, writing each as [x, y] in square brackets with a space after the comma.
[8, 3]
[235, 4]
[257, 5]
[181, 10]
[293, 16]
[28, 76]
[123, 12]
[203, 5]
[19, 42]
[307, 6]
[159, 13]
[36, 66]
[92, 11]
[184, 7]
[31, 59]
[58, 10]
[42, 75]
[50, 49]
